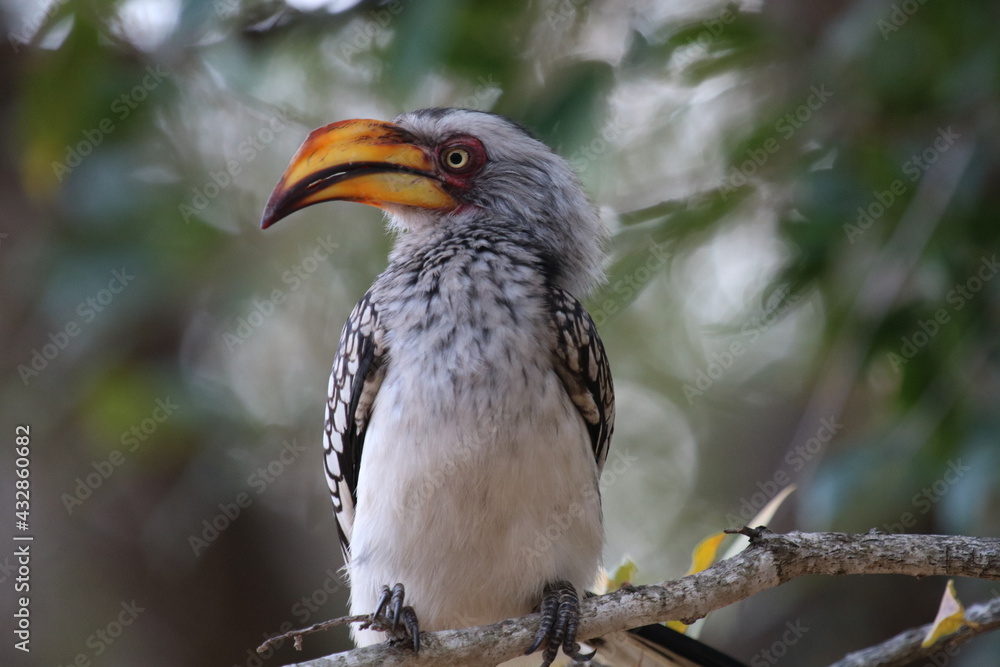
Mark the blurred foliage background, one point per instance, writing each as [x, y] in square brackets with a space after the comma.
[804, 200]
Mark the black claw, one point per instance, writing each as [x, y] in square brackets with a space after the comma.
[398, 593]
[390, 612]
[560, 609]
[382, 602]
[569, 619]
[412, 627]
[549, 607]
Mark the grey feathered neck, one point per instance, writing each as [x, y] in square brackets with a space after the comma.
[525, 194]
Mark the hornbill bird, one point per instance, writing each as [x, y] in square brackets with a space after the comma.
[471, 406]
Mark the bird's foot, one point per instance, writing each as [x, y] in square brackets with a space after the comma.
[560, 610]
[394, 618]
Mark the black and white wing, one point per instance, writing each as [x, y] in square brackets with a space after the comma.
[582, 365]
[357, 374]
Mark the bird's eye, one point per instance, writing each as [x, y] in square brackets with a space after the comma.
[457, 159]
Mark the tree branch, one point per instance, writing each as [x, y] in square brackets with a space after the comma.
[769, 561]
[905, 647]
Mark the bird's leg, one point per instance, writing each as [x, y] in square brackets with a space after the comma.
[395, 619]
[560, 610]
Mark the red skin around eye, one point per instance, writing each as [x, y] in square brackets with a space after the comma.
[477, 158]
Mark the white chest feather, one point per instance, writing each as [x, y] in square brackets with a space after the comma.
[478, 484]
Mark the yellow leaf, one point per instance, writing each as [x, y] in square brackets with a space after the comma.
[701, 558]
[624, 574]
[707, 550]
[950, 617]
[704, 554]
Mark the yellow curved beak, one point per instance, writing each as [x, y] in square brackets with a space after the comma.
[367, 161]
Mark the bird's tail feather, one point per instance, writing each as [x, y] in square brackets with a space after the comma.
[656, 646]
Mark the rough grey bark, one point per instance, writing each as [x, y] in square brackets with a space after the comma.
[769, 561]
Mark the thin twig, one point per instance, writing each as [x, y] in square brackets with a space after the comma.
[297, 634]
